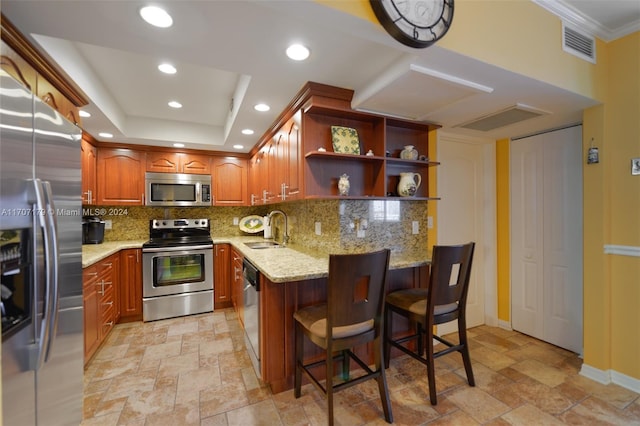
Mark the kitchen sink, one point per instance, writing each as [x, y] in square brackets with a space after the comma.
[263, 245]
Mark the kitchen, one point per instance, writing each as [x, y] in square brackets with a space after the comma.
[303, 214]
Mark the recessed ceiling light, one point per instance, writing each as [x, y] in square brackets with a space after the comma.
[262, 107]
[156, 16]
[105, 135]
[238, 146]
[175, 104]
[247, 132]
[167, 68]
[297, 52]
[84, 114]
[178, 145]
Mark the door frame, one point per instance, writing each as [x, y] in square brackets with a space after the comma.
[489, 221]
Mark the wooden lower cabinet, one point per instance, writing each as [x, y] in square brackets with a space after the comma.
[237, 284]
[130, 287]
[99, 300]
[279, 301]
[221, 276]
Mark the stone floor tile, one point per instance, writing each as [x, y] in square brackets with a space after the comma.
[478, 404]
[261, 414]
[196, 370]
[541, 372]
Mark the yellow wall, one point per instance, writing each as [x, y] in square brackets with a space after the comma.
[490, 31]
[503, 214]
[621, 214]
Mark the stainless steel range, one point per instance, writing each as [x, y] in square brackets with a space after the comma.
[177, 269]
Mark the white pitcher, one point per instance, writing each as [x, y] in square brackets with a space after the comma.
[409, 184]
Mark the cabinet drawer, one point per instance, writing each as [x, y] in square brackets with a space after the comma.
[107, 319]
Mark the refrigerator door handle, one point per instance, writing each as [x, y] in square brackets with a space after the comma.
[42, 212]
[53, 259]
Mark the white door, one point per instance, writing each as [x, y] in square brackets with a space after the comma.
[546, 237]
[466, 187]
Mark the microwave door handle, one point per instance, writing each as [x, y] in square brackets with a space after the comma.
[198, 192]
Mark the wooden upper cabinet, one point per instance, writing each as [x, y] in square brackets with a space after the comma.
[89, 158]
[178, 162]
[51, 96]
[229, 181]
[24, 61]
[163, 162]
[120, 176]
[14, 65]
[196, 164]
[293, 159]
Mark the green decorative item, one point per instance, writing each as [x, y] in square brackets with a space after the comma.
[345, 140]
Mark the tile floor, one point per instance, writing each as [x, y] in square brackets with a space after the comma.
[195, 370]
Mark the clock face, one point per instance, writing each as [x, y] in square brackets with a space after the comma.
[416, 23]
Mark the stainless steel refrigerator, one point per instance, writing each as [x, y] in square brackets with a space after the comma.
[40, 261]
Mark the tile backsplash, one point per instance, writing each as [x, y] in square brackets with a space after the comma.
[345, 225]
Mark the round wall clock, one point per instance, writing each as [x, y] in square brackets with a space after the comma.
[416, 23]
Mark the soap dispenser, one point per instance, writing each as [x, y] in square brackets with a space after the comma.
[266, 227]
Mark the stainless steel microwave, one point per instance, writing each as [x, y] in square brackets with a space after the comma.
[177, 190]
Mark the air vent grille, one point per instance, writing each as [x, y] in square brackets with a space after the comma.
[506, 117]
[578, 44]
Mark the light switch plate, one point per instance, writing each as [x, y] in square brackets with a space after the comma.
[415, 227]
[318, 228]
[360, 233]
[236, 220]
[108, 224]
[430, 222]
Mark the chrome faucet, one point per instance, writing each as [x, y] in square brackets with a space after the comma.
[285, 233]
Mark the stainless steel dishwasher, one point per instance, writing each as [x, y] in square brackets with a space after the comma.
[252, 312]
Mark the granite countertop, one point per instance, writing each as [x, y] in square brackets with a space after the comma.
[279, 265]
[294, 263]
[92, 253]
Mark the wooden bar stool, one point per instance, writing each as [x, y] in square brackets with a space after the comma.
[444, 300]
[352, 316]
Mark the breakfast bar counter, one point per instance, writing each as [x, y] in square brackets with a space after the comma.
[295, 263]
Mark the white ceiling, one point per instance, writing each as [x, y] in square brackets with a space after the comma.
[230, 56]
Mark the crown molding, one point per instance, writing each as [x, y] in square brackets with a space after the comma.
[585, 23]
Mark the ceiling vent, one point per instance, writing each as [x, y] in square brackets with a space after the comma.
[578, 44]
[505, 117]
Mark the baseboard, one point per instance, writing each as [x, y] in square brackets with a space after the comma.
[610, 376]
[504, 324]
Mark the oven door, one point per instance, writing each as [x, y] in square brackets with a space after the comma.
[176, 270]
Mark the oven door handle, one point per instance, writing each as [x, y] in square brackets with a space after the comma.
[176, 248]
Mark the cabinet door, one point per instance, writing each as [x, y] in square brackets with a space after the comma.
[120, 176]
[91, 312]
[196, 164]
[255, 186]
[163, 162]
[222, 281]
[130, 285]
[229, 181]
[237, 284]
[293, 159]
[89, 163]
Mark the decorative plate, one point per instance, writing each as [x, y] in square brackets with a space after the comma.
[345, 140]
[251, 224]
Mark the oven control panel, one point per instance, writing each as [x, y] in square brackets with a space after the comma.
[179, 223]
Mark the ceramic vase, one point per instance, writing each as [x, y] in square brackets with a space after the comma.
[344, 185]
[409, 153]
[409, 184]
